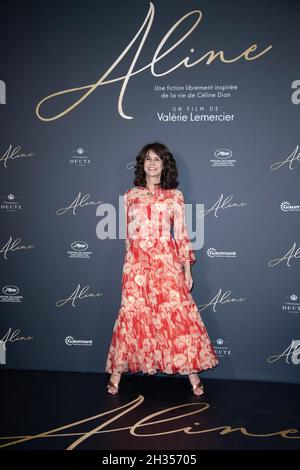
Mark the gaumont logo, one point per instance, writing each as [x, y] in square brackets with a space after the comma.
[213, 253]
[287, 207]
[12, 154]
[221, 204]
[10, 294]
[249, 55]
[78, 294]
[13, 245]
[294, 156]
[291, 355]
[70, 341]
[292, 253]
[2, 92]
[221, 298]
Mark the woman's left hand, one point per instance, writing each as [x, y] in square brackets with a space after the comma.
[188, 279]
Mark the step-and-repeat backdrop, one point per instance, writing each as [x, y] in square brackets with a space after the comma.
[83, 87]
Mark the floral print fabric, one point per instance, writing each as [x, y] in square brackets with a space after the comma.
[158, 327]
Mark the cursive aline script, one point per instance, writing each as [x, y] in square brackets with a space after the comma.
[221, 298]
[78, 293]
[12, 154]
[291, 253]
[209, 56]
[78, 202]
[221, 204]
[147, 422]
[292, 351]
[295, 155]
[11, 245]
[12, 336]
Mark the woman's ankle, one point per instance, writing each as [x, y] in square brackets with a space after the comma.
[193, 377]
[116, 376]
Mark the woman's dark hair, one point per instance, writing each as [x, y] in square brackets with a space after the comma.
[168, 179]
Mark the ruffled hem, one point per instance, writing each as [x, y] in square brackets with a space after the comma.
[154, 370]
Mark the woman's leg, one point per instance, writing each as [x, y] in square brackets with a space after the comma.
[197, 386]
[113, 384]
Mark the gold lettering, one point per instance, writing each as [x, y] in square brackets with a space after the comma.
[224, 430]
[212, 55]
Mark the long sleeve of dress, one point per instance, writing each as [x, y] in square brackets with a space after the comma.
[126, 220]
[181, 237]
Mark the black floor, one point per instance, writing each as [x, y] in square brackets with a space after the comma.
[65, 410]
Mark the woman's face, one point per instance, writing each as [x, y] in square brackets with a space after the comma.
[153, 164]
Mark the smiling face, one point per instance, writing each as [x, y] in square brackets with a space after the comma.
[153, 166]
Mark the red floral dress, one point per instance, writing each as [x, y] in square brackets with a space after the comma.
[158, 327]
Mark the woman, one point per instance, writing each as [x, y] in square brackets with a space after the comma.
[158, 327]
